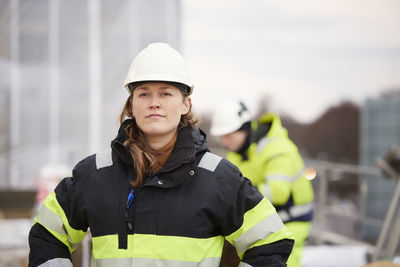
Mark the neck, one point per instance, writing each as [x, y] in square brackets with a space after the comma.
[158, 142]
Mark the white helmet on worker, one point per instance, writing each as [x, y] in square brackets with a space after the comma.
[159, 62]
[228, 118]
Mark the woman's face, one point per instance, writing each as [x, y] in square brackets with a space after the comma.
[158, 107]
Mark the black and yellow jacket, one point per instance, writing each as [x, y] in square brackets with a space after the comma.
[178, 217]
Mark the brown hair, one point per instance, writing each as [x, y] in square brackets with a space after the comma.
[143, 155]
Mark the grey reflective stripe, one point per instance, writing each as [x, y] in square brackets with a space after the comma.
[267, 192]
[295, 211]
[284, 215]
[291, 179]
[140, 262]
[273, 177]
[300, 210]
[57, 262]
[51, 220]
[260, 231]
[209, 161]
[263, 143]
[299, 174]
[243, 264]
[104, 159]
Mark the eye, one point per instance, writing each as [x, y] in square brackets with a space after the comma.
[166, 94]
[143, 94]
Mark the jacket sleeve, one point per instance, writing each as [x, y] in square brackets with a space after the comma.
[59, 226]
[279, 173]
[254, 228]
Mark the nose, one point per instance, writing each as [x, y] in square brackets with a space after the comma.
[154, 103]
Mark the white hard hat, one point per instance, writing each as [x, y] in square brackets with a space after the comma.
[228, 118]
[159, 62]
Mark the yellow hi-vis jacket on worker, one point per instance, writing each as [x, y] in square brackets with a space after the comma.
[273, 163]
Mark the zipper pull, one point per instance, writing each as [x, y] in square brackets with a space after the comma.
[130, 199]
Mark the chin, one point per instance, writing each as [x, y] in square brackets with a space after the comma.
[157, 128]
[156, 131]
[153, 132]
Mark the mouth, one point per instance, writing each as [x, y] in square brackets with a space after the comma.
[154, 116]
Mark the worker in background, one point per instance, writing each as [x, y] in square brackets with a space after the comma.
[157, 196]
[264, 153]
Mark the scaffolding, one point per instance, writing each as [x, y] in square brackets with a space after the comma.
[386, 245]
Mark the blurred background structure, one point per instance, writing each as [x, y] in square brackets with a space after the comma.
[331, 71]
[63, 63]
[380, 129]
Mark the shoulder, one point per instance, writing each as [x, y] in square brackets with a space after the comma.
[274, 144]
[219, 167]
[94, 162]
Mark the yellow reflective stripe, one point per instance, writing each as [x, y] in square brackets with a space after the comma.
[260, 231]
[140, 262]
[73, 236]
[252, 217]
[159, 247]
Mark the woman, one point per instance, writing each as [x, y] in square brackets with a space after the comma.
[158, 197]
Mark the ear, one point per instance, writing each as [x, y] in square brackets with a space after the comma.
[186, 105]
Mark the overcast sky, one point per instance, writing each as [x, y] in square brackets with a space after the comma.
[304, 55]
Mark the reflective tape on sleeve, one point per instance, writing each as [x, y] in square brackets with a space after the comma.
[57, 262]
[284, 215]
[104, 159]
[263, 226]
[53, 218]
[299, 210]
[243, 264]
[274, 177]
[209, 161]
[260, 231]
[50, 220]
[267, 192]
[251, 218]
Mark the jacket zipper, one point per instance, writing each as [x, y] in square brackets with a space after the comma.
[158, 210]
[130, 221]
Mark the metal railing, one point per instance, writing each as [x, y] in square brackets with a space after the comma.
[389, 233]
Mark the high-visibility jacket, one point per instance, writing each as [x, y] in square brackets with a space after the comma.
[178, 217]
[273, 163]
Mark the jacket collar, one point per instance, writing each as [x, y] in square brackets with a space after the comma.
[189, 143]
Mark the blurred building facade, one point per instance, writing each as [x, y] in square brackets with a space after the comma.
[51, 54]
[380, 129]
